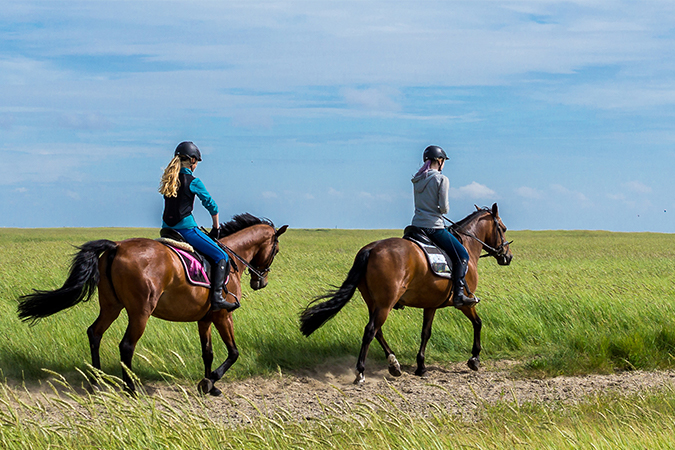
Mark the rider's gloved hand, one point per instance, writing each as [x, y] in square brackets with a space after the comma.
[215, 233]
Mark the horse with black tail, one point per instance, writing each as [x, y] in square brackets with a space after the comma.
[395, 272]
[147, 278]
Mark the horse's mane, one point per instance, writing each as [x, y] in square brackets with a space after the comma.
[241, 221]
[470, 218]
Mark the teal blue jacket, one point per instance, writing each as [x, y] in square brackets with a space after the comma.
[197, 188]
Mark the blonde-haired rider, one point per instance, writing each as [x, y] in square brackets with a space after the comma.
[179, 187]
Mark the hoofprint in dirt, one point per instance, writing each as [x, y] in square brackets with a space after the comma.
[328, 389]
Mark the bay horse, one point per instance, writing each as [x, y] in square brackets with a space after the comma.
[394, 272]
[146, 278]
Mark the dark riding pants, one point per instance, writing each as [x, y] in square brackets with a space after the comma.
[449, 243]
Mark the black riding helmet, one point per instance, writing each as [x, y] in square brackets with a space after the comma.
[189, 149]
[434, 152]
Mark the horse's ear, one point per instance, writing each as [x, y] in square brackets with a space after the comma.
[281, 230]
[477, 207]
[495, 210]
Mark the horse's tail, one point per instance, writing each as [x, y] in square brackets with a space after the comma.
[79, 287]
[314, 316]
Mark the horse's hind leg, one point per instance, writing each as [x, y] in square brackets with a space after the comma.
[377, 319]
[131, 337]
[106, 317]
[428, 320]
[109, 310]
[474, 361]
[394, 366]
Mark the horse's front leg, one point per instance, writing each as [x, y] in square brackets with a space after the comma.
[428, 320]
[207, 357]
[474, 361]
[223, 322]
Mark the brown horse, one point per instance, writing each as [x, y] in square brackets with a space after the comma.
[147, 279]
[395, 273]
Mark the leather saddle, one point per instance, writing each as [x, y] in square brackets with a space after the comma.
[439, 261]
[197, 266]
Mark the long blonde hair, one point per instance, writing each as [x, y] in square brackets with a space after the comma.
[169, 184]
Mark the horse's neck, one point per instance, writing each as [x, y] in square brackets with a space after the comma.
[246, 243]
[480, 229]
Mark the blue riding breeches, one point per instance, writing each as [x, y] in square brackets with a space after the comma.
[203, 244]
[449, 243]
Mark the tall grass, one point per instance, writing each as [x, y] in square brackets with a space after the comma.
[66, 419]
[571, 302]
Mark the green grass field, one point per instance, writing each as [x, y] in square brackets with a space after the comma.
[111, 421]
[571, 302]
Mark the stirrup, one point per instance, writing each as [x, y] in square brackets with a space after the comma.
[466, 301]
[220, 303]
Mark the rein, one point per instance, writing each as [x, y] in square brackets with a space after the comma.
[260, 273]
[491, 251]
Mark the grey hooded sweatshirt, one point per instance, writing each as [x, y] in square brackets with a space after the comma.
[431, 199]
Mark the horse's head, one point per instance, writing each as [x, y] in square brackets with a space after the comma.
[262, 260]
[495, 243]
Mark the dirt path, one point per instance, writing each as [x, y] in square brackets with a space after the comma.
[454, 389]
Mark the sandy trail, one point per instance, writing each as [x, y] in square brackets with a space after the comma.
[453, 389]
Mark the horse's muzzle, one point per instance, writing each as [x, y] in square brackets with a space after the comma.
[504, 260]
[258, 283]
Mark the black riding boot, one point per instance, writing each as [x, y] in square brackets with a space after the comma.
[218, 274]
[459, 298]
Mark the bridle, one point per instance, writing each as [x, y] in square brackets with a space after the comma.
[498, 252]
[260, 273]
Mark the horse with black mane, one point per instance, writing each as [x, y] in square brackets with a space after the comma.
[146, 278]
[394, 273]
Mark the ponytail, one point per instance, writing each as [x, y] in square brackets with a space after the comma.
[425, 167]
[168, 185]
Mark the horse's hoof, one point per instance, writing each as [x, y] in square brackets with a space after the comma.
[130, 391]
[395, 371]
[473, 363]
[94, 388]
[420, 372]
[205, 386]
[215, 392]
[394, 366]
[360, 379]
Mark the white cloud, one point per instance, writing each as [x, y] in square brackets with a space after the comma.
[375, 197]
[528, 192]
[269, 195]
[575, 195]
[84, 121]
[372, 99]
[332, 192]
[638, 187]
[474, 191]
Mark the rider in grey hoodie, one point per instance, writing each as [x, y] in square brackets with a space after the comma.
[431, 202]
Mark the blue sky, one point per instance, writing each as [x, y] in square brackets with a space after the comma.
[315, 113]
